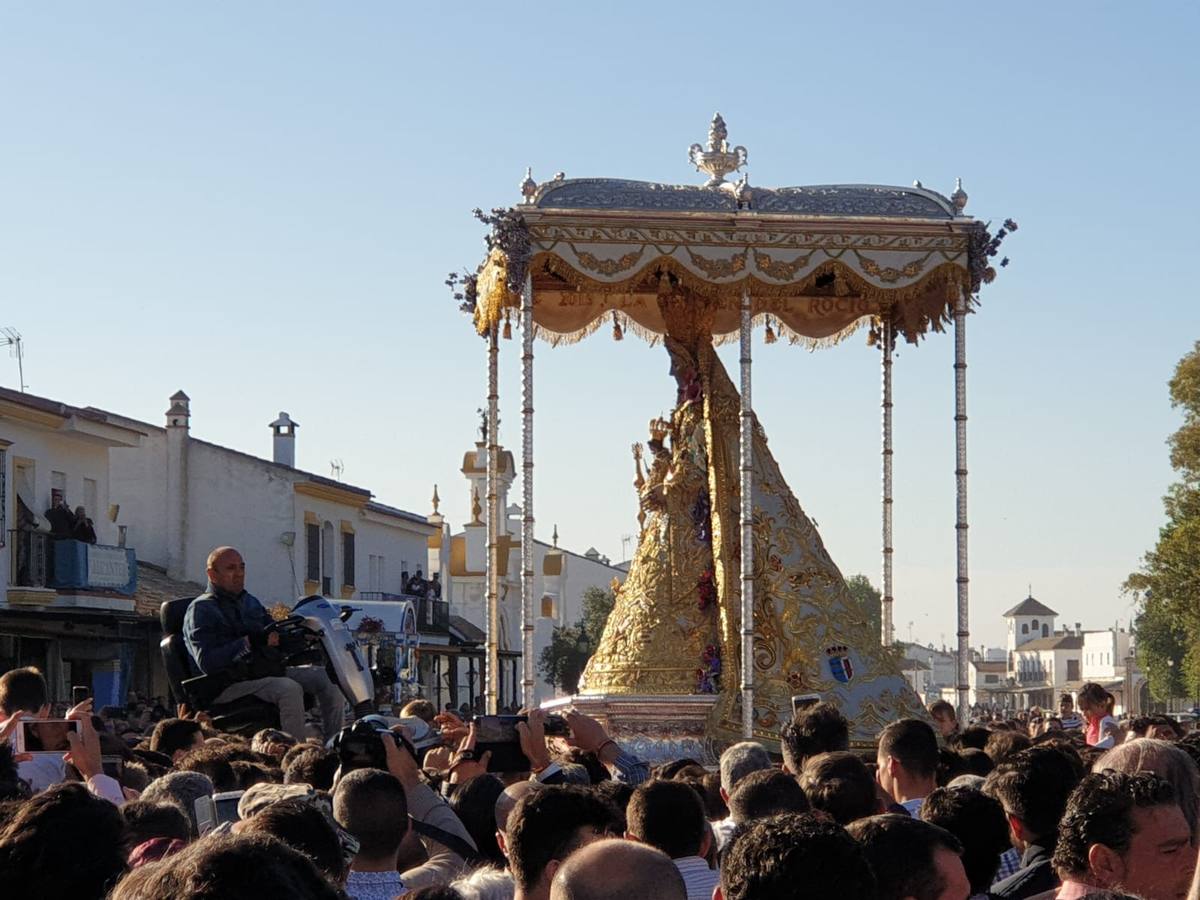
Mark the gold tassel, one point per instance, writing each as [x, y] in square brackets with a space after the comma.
[618, 335]
[507, 327]
[769, 337]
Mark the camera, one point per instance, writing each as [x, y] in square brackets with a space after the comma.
[360, 746]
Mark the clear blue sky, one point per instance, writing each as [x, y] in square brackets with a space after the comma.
[258, 203]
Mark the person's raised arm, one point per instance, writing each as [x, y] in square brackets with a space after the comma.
[590, 736]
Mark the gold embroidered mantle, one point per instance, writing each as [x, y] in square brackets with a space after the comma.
[810, 635]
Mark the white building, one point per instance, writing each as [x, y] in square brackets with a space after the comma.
[917, 674]
[70, 607]
[560, 579]
[300, 533]
[1047, 667]
[1027, 621]
[942, 664]
[988, 681]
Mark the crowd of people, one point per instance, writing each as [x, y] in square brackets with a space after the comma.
[173, 809]
[137, 804]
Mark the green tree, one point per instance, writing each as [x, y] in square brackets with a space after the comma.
[868, 597]
[1168, 616]
[562, 660]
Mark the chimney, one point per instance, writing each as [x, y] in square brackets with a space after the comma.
[178, 427]
[284, 451]
[1079, 628]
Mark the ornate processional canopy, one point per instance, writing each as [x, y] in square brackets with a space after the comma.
[818, 261]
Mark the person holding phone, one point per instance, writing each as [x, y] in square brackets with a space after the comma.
[225, 630]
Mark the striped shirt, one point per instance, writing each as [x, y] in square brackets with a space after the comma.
[1010, 862]
[698, 878]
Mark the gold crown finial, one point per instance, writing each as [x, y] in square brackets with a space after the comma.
[555, 535]
[659, 428]
[476, 508]
[437, 501]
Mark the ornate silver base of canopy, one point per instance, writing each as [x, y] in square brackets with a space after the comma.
[657, 729]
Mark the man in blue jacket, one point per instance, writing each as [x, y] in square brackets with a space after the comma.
[225, 631]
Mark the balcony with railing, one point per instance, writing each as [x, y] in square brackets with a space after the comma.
[433, 615]
[49, 571]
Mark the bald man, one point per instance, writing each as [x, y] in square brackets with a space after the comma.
[617, 870]
[225, 633]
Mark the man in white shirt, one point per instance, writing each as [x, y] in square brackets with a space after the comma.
[669, 816]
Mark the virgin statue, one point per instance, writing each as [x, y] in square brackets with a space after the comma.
[675, 627]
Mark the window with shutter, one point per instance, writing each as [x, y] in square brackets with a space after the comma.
[312, 539]
[348, 558]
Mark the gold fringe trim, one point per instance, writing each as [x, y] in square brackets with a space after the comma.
[894, 303]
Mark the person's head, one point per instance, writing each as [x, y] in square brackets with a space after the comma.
[63, 842]
[840, 785]
[669, 816]
[617, 795]
[767, 793]
[618, 870]
[303, 827]
[421, 709]
[1126, 833]
[145, 821]
[182, 789]
[310, 765]
[769, 858]
[475, 805]
[740, 760]
[213, 761]
[1032, 787]
[175, 737]
[945, 719]
[973, 736]
[485, 883]
[1093, 700]
[1165, 760]
[1066, 706]
[507, 802]
[227, 570]
[1003, 744]
[912, 858]
[229, 867]
[372, 806]
[975, 762]
[979, 824]
[820, 728]
[23, 691]
[545, 828]
[907, 759]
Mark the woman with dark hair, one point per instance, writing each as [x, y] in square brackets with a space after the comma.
[64, 842]
[475, 804]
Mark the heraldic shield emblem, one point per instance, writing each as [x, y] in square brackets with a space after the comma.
[840, 666]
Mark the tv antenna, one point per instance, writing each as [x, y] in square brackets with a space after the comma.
[626, 539]
[336, 468]
[11, 338]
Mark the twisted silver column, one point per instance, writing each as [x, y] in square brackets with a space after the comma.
[492, 682]
[746, 516]
[527, 555]
[960, 478]
[886, 348]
